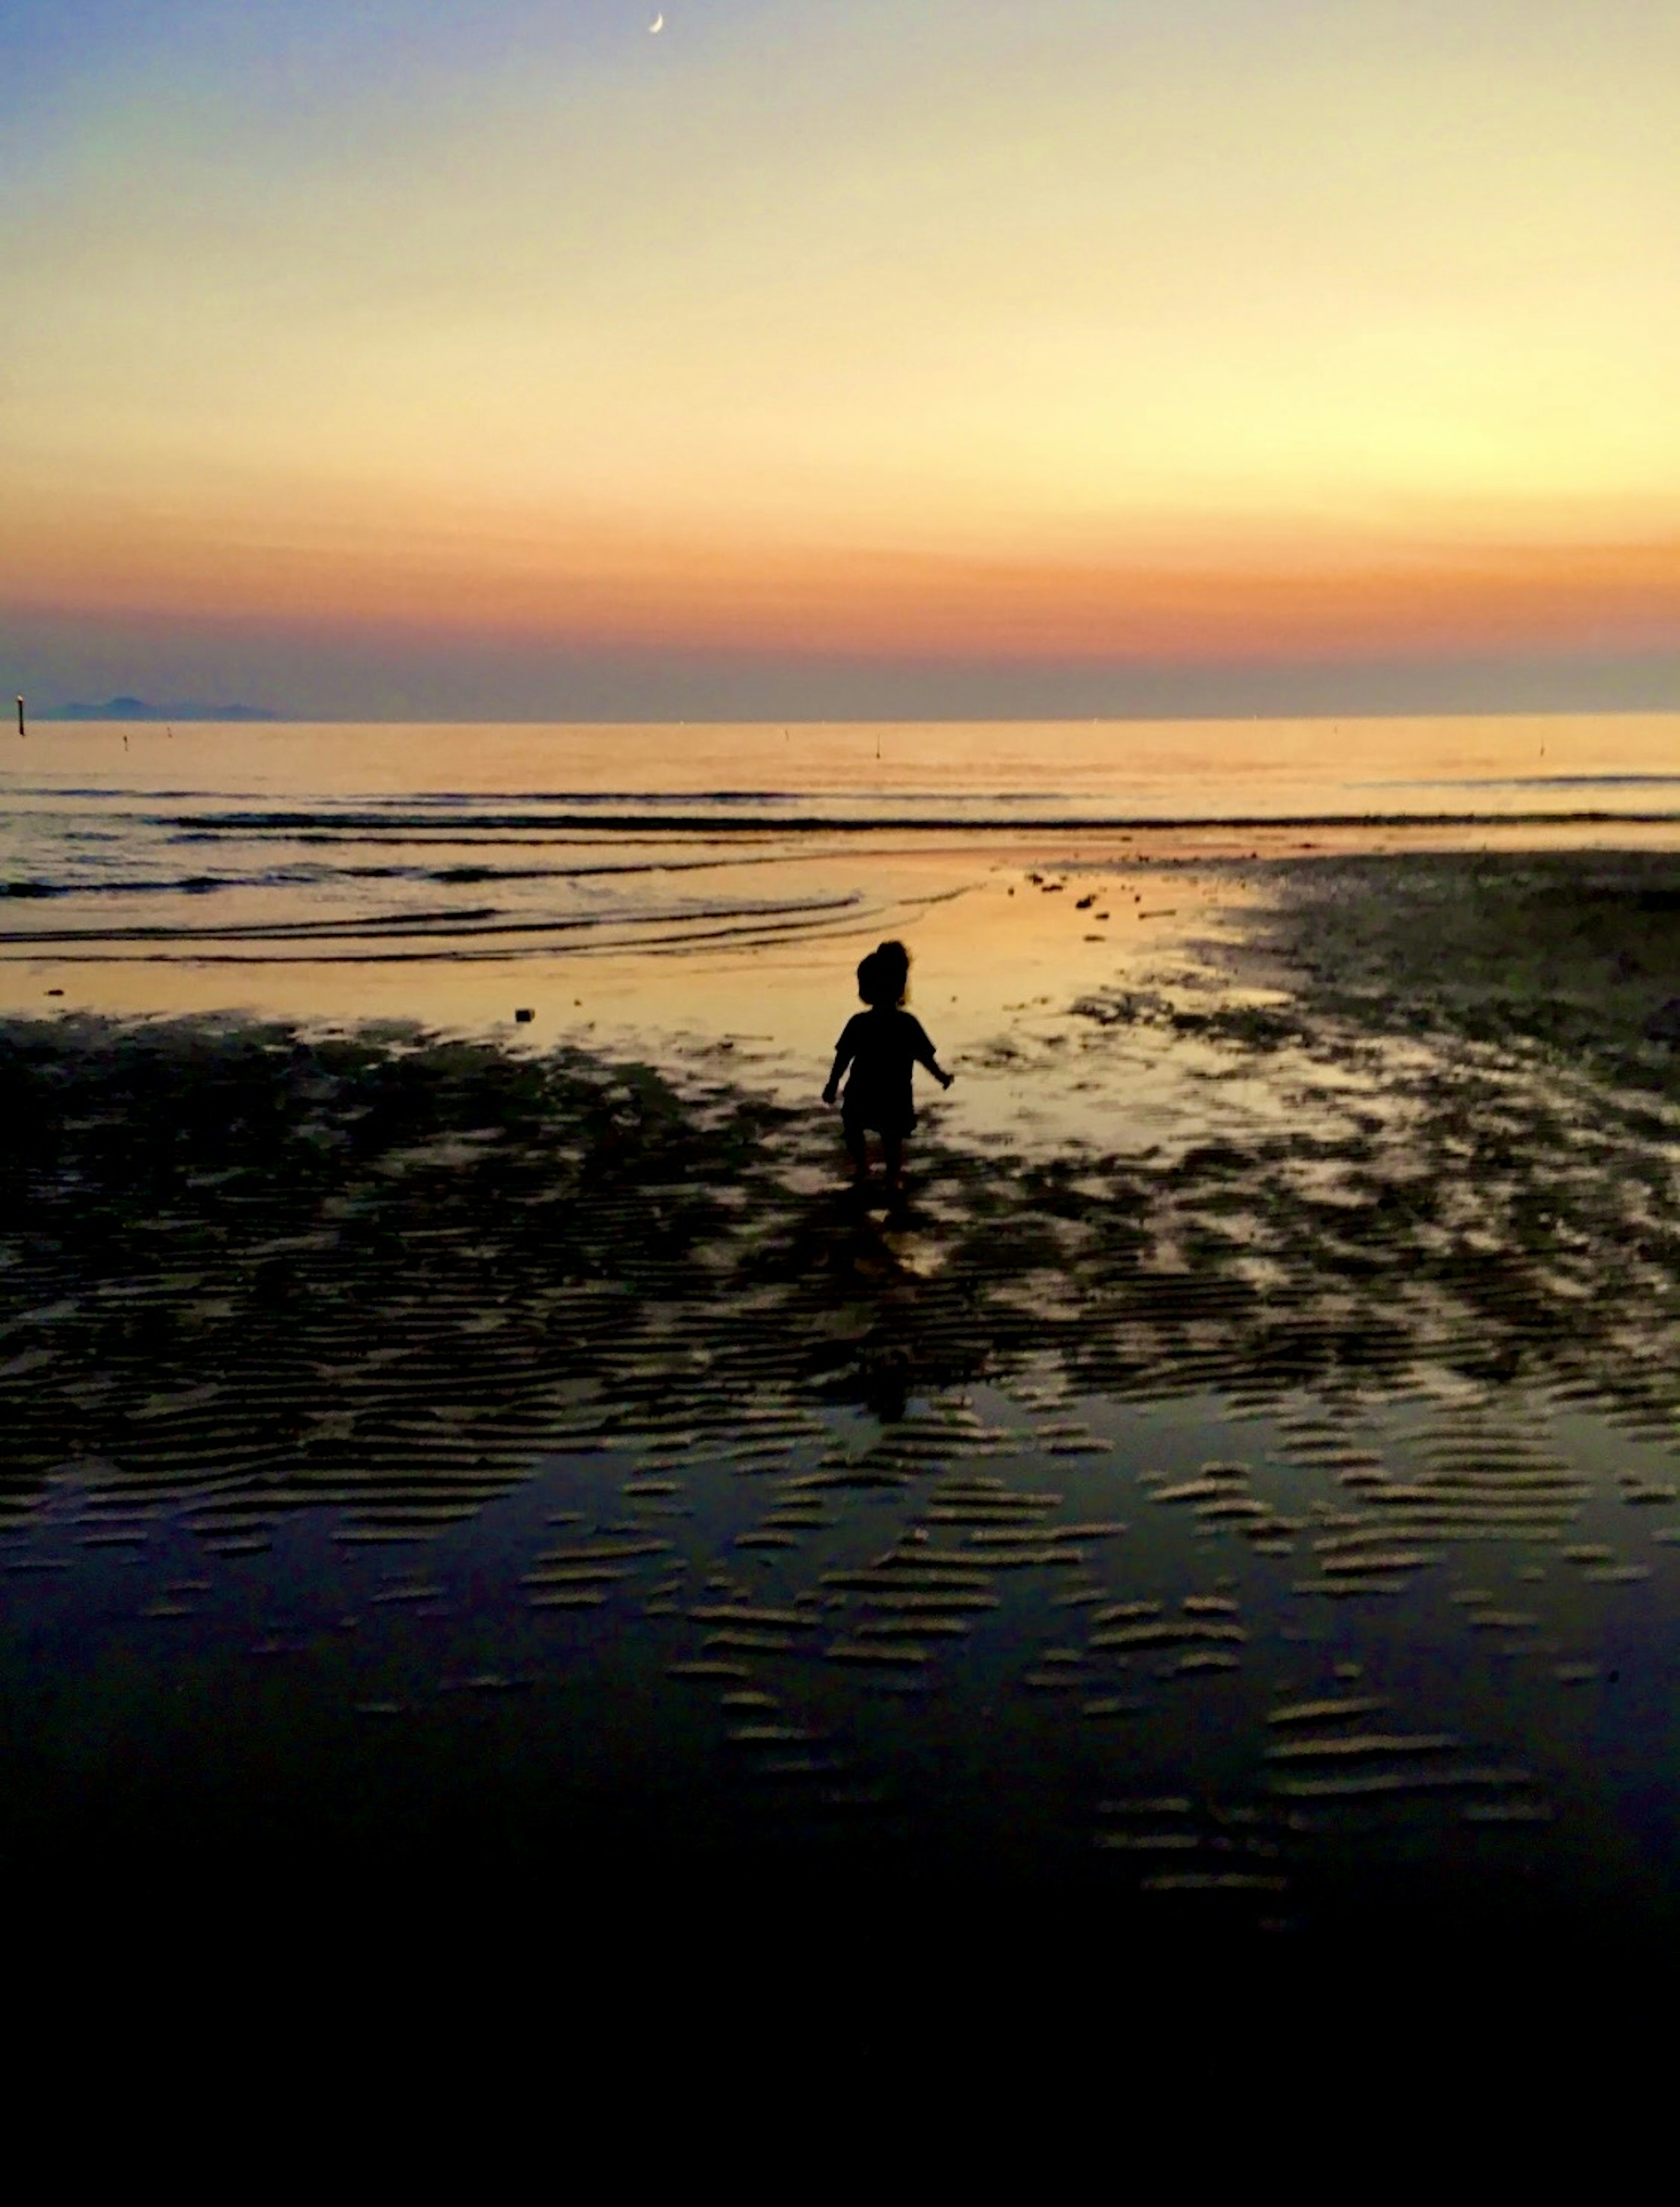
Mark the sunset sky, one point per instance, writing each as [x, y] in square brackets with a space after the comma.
[479, 356]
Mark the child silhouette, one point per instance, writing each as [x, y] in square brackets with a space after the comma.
[881, 1045]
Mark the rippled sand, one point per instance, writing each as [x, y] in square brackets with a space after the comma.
[1236, 1488]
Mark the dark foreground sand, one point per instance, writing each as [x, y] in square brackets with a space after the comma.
[432, 1471]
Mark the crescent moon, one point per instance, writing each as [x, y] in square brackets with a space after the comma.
[658, 23]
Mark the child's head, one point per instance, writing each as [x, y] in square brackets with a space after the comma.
[884, 975]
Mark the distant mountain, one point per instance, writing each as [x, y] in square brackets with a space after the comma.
[137, 708]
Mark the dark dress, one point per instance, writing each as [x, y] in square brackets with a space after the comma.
[881, 1046]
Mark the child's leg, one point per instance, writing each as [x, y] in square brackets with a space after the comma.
[856, 1148]
[892, 1148]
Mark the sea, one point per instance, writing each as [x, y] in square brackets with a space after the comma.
[347, 844]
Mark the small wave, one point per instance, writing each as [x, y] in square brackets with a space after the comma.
[1535, 781]
[336, 828]
[469, 921]
[610, 868]
[174, 885]
[109, 796]
[312, 876]
[464, 920]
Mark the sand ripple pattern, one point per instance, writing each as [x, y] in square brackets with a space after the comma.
[474, 1396]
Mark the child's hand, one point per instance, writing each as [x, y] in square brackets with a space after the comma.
[945, 1078]
[827, 1096]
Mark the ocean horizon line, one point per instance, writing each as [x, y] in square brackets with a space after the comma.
[248, 718]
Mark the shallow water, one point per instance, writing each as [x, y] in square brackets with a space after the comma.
[418, 1453]
[351, 849]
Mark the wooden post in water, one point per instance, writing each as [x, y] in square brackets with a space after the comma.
[21, 730]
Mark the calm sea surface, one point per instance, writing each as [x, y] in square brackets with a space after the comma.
[356, 843]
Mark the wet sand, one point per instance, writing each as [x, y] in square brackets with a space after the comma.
[1229, 1506]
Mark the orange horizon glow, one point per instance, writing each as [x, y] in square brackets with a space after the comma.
[1261, 601]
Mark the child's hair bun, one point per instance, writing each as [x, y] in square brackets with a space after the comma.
[883, 976]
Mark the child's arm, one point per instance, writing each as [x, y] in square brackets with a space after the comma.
[845, 1050]
[924, 1055]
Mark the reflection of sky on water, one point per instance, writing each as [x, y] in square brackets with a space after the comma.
[618, 1414]
[385, 841]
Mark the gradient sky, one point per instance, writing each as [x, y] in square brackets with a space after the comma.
[481, 357]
